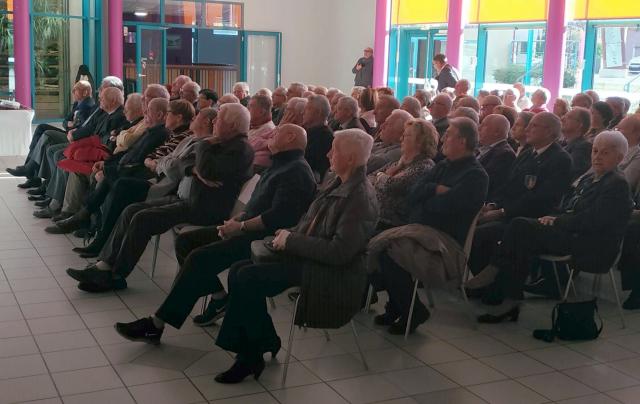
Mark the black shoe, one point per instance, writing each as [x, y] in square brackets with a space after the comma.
[511, 315]
[81, 233]
[633, 301]
[142, 330]
[101, 284]
[36, 198]
[62, 216]
[239, 371]
[31, 183]
[400, 326]
[20, 171]
[543, 287]
[41, 190]
[82, 275]
[273, 347]
[43, 203]
[385, 319]
[214, 311]
[45, 213]
[68, 225]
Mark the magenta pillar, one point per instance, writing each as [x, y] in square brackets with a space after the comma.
[381, 42]
[22, 51]
[455, 31]
[115, 38]
[554, 49]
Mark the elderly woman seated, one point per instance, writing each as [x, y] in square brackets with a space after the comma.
[324, 254]
[443, 205]
[393, 181]
[589, 227]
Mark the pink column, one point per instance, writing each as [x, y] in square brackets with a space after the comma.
[455, 31]
[553, 70]
[115, 38]
[22, 51]
[381, 44]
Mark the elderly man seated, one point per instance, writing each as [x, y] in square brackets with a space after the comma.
[440, 108]
[242, 92]
[319, 135]
[177, 84]
[387, 150]
[278, 99]
[222, 166]
[539, 100]
[630, 166]
[443, 204]
[260, 113]
[495, 154]
[590, 227]
[323, 253]
[347, 114]
[461, 90]
[281, 197]
[190, 92]
[539, 177]
[575, 125]
[412, 106]
[581, 100]
[384, 107]
[488, 104]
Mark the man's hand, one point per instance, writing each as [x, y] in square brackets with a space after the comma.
[441, 189]
[97, 166]
[70, 124]
[230, 229]
[547, 220]
[151, 164]
[99, 176]
[280, 242]
[358, 67]
[491, 216]
[70, 137]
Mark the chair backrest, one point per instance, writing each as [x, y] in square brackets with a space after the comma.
[469, 240]
[245, 195]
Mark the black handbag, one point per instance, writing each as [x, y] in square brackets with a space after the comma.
[573, 321]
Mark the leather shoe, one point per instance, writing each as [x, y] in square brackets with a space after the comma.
[83, 275]
[62, 216]
[43, 203]
[101, 285]
[41, 190]
[45, 213]
[543, 287]
[511, 315]
[19, 171]
[67, 226]
[239, 371]
[31, 183]
[400, 326]
[36, 198]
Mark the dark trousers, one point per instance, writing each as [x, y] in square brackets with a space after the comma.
[135, 227]
[37, 134]
[399, 285]
[485, 244]
[98, 195]
[629, 264]
[58, 181]
[199, 270]
[523, 240]
[125, 191]
[247, 328]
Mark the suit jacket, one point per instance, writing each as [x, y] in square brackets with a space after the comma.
[596, 217]
[630, 166]
[80, 111]
[448, 77]
[441, 125]
[352, 124]
[552, 173]
[319, 141]
[580, 152]
[104, 124]
[381, 155]
[497, 163]
[364, 77]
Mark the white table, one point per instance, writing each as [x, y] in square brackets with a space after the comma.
[15, 132]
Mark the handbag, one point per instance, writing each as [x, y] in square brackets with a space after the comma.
[573, 321]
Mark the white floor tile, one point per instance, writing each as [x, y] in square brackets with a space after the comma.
[17, 346]
[56, 324]
[50, 309]
[436, 352]
[65, 341]
[419, 380]
[595, 399]
[262, 398]
[132, 374]
[10, 313]
[86, 380]
[602, 377]
[84, 358]
[556, 386]
[213, 390]
[454, 396]
[119, 396]
[27, 389]
[507, 392]
[171, 392]
[21, 366]
[314, 394]
[469, 372]
[627, 396]
[479, 346]
[560, 357]
[516, 365]
[366, 389]
[335, 367]
[297, 375]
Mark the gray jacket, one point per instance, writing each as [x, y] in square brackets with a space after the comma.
[364, 76]
[170, 168]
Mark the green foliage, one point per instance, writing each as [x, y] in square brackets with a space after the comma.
[515, 73]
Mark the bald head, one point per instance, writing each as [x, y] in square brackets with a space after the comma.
[581, 100]
[412, 106]
[177, 84]
[493, 129]
[488, 104]
[630, 128]
[384, 107]
[228, 99]
[156, 112]
[288, 137]
[544, 129]
[462, 87]
[392, 130]
[190, 91]
[465, 112]
[441, 106]
[111, 99]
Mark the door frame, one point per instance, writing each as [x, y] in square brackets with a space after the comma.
[245, 52]
[163, 62]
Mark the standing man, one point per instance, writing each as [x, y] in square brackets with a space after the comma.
[364, 69]
[447, 75]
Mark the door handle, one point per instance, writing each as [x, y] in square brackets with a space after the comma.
[142, 75]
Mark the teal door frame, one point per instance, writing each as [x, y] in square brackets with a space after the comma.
[163, 62]
[245, 51]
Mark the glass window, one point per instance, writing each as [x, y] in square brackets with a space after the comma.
[181, 12]
[224, 15]
[66, 7]
[616, 70]
[514, 55]
[141, 10]
[573, 59]
[7, 78]
[469, 60]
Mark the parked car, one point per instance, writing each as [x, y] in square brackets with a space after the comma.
[634, 65]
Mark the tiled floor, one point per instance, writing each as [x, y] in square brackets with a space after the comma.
[57, 344]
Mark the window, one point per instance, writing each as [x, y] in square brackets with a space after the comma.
[7, 81]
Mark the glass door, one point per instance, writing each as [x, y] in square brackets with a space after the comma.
[262, 59]
[144, 57]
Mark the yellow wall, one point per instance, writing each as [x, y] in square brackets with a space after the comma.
[494, 11]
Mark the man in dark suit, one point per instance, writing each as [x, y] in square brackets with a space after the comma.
[242, 92]
[440, 108]
[347, 114]
[387, 150]
[319, 135]
[223, 164]
[575, 125]
[538, 178]
[447, 75]
[364, 69]
[590, 227]
[495, 154]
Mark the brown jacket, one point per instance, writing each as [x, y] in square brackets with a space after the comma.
[330, 243]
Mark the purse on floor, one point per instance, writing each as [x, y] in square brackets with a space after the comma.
[573, 321]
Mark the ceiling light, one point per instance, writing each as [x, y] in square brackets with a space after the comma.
[140, 13]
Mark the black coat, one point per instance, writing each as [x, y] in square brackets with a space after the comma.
[319, 141]
[596, 217]
[497, 163]
[448, 77]
[580, 152]
[80, 111]
[364, 76]
[453, 211]
[552, 172]
[229, 163]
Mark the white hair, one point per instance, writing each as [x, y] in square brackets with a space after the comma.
[401, 113]
[321, 103]
[615, 139]
[244, 85]
[157, 91]
[265, 91]
[192, 84]
[236, 115]
[352, 104]
[298, 87]
[355, 141]
[298, 104]
[112, 81]
[135, 101]
[114, 95]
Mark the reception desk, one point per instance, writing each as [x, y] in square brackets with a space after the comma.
[15, 131]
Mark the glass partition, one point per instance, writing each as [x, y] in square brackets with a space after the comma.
[7, 75]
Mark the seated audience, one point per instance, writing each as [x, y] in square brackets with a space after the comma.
[443, 204]
[581, 100]
[384, 107]
[510, 98]
[618, 107]
[228, 99]
[176, 86]
[356, 92]
[297, 90]
[412, 106]
[523, 102]
[465, 112]
[630, 165]
[575, 125]
[440, 107]
[279, 200]
[419, 145]
[347, 114]
[589, 226]
[131, 132]
[519, 130]
[488, 104]
[470, 102]
[601, 116]
[222, 165]
[190, 92]
[424, 96]
[278, 100]
[495, 154]
[539, 100]
[560, 107]
[319, 90]
[319, 135]
[260, 112]
[387, 150]
[207, 99]
[242, 92]
[593, 94]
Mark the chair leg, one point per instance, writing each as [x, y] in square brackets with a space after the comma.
[272, 303]
[569, 283]
[615, 292]
[557, 276]
[204, 303]
[470, 311]
[327, 336]
[411, 307]
[367, 304]
[156, 247]
[355, 335]
[290, 345]
[432, 301]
